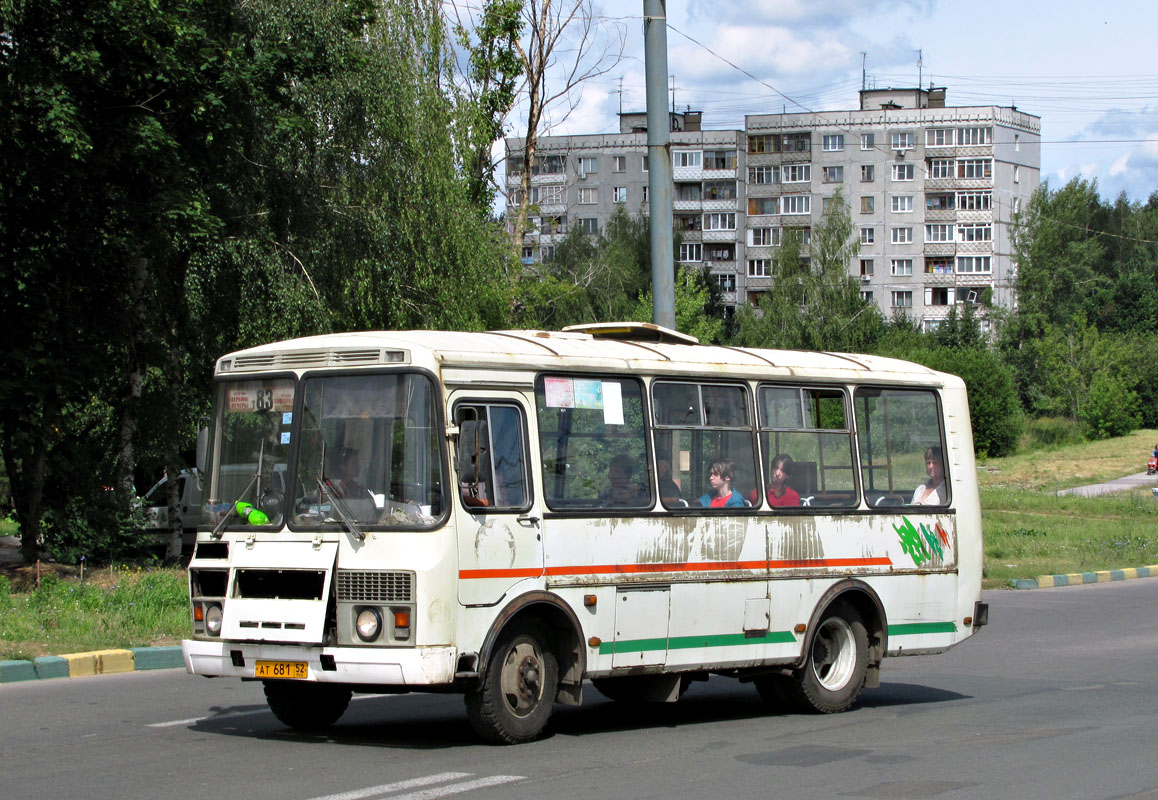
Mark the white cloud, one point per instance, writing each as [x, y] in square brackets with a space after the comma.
[1119, 166]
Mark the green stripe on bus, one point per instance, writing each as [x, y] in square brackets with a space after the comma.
[916, 628]
[691, 642]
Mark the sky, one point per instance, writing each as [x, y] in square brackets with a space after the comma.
[1086, 68]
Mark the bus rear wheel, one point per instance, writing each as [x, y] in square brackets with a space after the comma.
[307, 706]
[513, 701]
[834, 672]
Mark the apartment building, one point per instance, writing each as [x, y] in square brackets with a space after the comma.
[932, 191]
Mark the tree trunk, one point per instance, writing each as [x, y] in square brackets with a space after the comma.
[177, 514]
[26, 483]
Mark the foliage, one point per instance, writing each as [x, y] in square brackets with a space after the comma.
[814, 303]
[1051, 432]
[692, 296]
[1112, 408]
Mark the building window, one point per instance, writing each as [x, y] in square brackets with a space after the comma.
[762, 175]
[867, 172]
[867, 295]
[797, 142]
[797, 173]
[720, 222]
[903, 236]
[939, 233]
[868, 204]
[868, 235]
[645, 194]
[763, 143]
[726, 282]
[528, 255]
[974, 168]
[619, 163]
[588, 195]
[902, 172]
[829, 204]
[939, 266]
[588, 165]
[763, 237]
[967, 136]
[901, 266]
[547, 195]
[1016, 208]
[866, 266]
[758, 206]
[902, 299]
[801, 235]
[1017, 143]
[974, 201]
[759, 268]
[939, 202]
[938, 296]
[719, 159]
[902, 202]
[691, 252]
[1016, 174]
[796, 204]
[554, 224]
[686, 158]
[833, 174]
[833, 142]
[974, 294]
[688, 191]
[719, 190]
[721, 252]
[903, 140]
[619, 194]
[975, 232]
[547, 254]
[589, 225]
[940, 168]
[939, 137]
[548, 165]
[867, 141]
[973, 264]
[645, 164]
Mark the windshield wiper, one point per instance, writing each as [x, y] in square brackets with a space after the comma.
[233, 506]
[340, 507]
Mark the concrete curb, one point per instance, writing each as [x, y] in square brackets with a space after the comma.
[98, 662]
[1076, 578]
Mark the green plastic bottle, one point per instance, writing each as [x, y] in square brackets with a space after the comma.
[255, 516]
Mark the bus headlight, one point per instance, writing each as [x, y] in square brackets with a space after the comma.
[368, 624]
[213, 619]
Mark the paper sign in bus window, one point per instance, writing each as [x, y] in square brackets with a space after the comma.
[588, 393]
[612, 403]
[559, 392]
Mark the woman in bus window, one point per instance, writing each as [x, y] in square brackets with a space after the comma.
[780, 494]
[720, 477]
[932, 491]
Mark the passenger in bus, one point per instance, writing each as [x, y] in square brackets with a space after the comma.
[720, 477]
[932, 491]
[669, 490]
[345, 470]
[623, 489]
[780, 494]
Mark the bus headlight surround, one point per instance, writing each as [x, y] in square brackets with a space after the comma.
[213, 619]
[368, 624]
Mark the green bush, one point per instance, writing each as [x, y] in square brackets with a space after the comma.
[1111, 409]
[1052, 432]
[5, 592]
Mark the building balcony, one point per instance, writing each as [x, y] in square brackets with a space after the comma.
[687, 174]
[941, 215]
[720, 205]
[718, 236]
[719, 174]
[974, 151]
[975, 248]
[940, 248]
[939, 278]
[687, 205]
[976, 215]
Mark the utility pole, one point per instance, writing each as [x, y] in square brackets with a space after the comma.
[659, 180]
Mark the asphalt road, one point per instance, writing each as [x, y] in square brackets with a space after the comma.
[1054, 699]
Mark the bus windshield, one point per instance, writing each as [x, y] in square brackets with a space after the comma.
[254, 419]
[369, 451]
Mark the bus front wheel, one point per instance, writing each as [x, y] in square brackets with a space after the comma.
[513, 701]
[834, 672]
[307, 706]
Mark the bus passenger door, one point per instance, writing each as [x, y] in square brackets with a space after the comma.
[497, 512]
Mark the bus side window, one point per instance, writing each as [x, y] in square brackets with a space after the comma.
[901, 456]
[491, 457]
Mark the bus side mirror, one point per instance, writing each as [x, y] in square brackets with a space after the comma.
[202, 448]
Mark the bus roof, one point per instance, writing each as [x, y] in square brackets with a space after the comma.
[605, 347]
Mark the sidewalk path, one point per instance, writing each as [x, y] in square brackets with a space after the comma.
[1117, 485]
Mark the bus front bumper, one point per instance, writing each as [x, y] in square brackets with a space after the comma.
[412, 666]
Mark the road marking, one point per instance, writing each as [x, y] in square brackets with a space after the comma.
[425, 794]
[386, 788]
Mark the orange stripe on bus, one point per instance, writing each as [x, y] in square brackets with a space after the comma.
[709, 566]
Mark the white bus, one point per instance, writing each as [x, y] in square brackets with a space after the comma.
[508, 514]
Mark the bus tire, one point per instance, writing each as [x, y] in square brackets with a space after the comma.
[513, 701]
[632, 688]
[834, 671]
[307, 706]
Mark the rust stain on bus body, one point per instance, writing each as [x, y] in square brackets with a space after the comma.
[797, 538]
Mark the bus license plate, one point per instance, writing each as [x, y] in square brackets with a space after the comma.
[295, 670]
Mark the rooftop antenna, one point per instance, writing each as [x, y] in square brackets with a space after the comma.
[671, 79]
[920, 68]
[619, 91]
[863, 58]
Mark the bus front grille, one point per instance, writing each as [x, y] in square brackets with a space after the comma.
[372, 586]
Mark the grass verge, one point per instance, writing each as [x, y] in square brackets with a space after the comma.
[123, 607]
